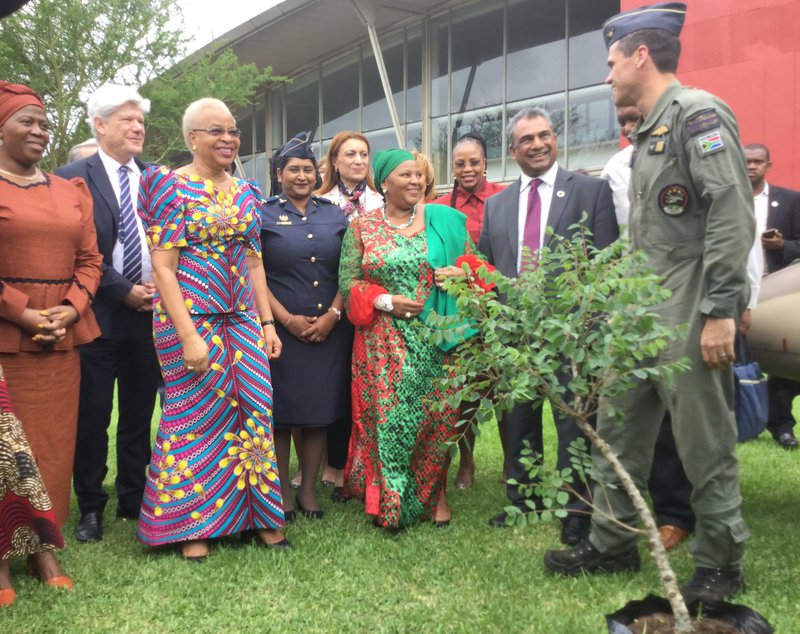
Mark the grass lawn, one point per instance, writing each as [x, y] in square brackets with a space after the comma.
[344, 575]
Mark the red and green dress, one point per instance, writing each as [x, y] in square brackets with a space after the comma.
[398, 453]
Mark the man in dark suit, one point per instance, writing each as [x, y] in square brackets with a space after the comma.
[544, 196]
[125, 353]
[778, 222]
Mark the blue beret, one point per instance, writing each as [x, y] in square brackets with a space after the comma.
[668, 16]
[297, 147]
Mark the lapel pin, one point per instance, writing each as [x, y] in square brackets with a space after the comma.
[560, 193]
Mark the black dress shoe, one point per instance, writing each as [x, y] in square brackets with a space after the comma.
[90, 527]
[586, 558]
[288, 517]
[312, 515]
[787, 440]
[127, 515]
[713, 584]
[284, 544]
[501, 520]
[338, 496]
[574, 530]
[196, 559]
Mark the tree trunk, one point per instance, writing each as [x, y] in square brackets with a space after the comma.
[683, 622]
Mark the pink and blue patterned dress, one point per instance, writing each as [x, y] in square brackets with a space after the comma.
[213, 471]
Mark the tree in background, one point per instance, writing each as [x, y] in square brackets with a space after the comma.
[212, 74]
[66, 49]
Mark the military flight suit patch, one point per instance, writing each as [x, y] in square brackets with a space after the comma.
[711, 143]
[673, 199]
[703, 121]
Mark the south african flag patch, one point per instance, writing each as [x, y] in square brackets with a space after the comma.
[711, 143]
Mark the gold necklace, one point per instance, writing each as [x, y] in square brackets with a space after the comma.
[25, 178]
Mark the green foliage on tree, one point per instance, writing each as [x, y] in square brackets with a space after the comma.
[583, 313]
[213, 74]
[66, 49]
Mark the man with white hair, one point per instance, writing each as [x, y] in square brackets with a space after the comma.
[124, 354]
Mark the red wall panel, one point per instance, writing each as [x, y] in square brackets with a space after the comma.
[747, 52]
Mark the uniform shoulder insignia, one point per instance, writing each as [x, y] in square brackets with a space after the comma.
[703, 121]
[271, 199]
[324, 201]
[711, 143]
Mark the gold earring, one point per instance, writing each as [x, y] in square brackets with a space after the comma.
[194, 147]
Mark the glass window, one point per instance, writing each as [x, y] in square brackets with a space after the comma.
[414, 74]
[244, 121]
[593, 132]
[440, 146]
[381, 140]
[414, 136]
[276, 114]
[536, 32]
[302, 104]
[260, 120]
[477, 64]
[587, 53]
[439, 66]
[340, 96]
[376, 110]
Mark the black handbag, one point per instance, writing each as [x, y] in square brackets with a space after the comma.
[751, 401]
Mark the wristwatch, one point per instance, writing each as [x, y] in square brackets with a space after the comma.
[337, 312]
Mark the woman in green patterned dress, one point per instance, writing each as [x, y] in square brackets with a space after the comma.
[391, 263]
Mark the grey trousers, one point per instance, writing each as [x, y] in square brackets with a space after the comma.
[700, 402]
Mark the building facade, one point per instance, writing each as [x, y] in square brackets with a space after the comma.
[454, 68]
[460, 65]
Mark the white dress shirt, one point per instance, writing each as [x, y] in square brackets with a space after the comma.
[755, 259]
[134, 174]
[545, 195]
[618, 174]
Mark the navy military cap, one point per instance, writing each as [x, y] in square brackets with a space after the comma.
[297, 147]
[668, 16]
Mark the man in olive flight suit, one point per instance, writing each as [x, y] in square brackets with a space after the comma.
[692, 214]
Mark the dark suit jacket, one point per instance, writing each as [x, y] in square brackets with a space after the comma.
[113, 286]
[499, 240]
[784, 215]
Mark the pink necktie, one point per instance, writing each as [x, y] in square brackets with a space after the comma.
[531, 237]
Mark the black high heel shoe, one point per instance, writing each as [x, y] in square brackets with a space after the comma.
[312, 515]
[338, 496]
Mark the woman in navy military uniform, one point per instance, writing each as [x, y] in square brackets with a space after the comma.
[302, 237]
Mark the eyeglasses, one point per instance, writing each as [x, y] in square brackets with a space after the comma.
[218, 131]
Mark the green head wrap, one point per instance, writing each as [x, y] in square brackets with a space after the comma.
[385, 161]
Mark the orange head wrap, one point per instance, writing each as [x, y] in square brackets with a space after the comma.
[16, 96]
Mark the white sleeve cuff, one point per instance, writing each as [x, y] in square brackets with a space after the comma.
[384, 302]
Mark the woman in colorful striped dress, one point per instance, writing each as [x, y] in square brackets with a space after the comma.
[213, 472]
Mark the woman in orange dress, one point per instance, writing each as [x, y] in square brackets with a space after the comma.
[49, 271]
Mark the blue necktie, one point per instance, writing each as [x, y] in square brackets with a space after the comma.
[129, 231]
